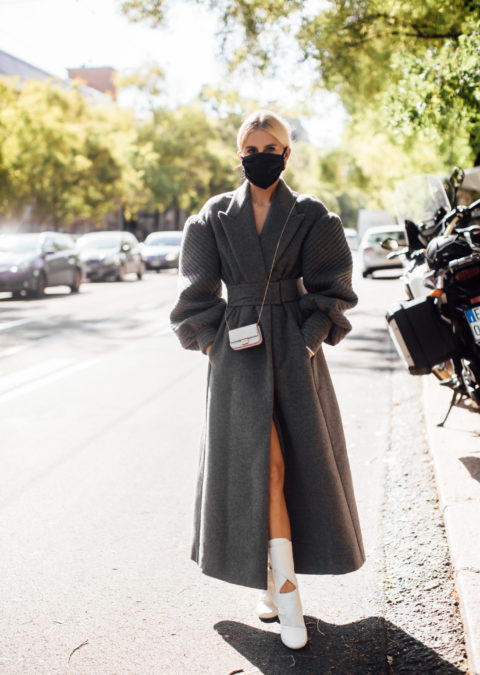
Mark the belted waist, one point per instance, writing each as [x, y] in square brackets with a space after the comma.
[285, 290]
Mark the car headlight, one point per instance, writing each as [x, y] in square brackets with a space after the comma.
[20, 268]
[171, 257]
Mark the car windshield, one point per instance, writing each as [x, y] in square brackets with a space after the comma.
[378, 237]
[98, 241]
[19, 243]
[164, 240]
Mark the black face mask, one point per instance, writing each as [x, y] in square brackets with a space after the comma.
[263, 168]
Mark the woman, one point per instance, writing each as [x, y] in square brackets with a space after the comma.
[274, 480]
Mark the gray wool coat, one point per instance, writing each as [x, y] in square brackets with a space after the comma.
[276, 379]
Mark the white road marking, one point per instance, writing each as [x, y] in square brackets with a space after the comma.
[14, 350]
[37, 384]
[14, 324]
[36, 372]
[41, 318]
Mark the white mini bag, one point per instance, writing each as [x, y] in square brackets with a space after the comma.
[245, 336]
[251, 335]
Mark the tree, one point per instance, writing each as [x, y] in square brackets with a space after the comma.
[141, 89]
[415, 63]
[190, 161]
[62, 157]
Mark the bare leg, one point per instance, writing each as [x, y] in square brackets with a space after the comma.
[279, 522]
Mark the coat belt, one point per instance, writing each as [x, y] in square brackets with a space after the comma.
[285, 290]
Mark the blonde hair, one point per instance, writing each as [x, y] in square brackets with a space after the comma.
[268, 120]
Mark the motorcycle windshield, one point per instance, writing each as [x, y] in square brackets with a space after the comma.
[419, 198]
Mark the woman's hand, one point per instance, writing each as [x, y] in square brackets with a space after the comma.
[208, 348]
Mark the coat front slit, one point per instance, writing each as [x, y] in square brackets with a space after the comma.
[310, 291]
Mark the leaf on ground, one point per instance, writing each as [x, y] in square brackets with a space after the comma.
[76, 648]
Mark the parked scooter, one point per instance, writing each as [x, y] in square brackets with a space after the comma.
[437, 329]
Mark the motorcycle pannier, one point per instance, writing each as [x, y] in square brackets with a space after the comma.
[422, 338]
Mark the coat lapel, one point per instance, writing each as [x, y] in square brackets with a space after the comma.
[254, 254]
[239, 227]
[281, 204]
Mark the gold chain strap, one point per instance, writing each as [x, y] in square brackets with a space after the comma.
[272, 266]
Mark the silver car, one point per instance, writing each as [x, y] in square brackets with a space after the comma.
[351, 237]
[373, 256]
[161, 250]
[110, 254]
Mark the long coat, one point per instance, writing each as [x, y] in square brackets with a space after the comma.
[275, 380]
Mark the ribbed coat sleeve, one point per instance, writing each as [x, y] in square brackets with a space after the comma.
[199, 308]
[327, 277]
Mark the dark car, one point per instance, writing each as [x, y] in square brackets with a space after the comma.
[32, 261]
[111, 254]
[161, 250]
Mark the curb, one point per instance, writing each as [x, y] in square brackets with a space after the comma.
[455, 450]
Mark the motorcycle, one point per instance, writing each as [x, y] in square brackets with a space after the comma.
[437, 328]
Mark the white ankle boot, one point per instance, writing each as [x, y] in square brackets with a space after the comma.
[266, 607]
[293, 631]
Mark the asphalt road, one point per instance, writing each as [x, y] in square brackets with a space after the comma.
[100, 419]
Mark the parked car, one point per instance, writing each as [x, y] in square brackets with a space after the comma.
[111, 254]
[373, 256]
[29, 262]
[161, 250]
[351, 237]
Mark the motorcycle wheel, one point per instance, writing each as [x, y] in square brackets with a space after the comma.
[471, 379]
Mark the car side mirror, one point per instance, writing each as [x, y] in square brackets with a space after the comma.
[390, 244]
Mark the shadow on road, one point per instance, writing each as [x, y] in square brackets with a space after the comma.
[372, 646]
[64, 291]
[371, 350]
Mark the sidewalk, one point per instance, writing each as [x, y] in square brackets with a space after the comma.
[455, 449]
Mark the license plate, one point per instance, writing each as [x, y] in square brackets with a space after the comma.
[473, 317]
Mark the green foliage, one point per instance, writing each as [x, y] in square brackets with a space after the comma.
[370, 161]
[141, 10]
[141, 88]
[440, 89]
[61, 157]
[415, 63]
[191, 161]
[356, 43]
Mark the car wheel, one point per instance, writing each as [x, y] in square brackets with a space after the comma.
[16, 295]
[39, 291]
[77, 280]
[365, 273]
